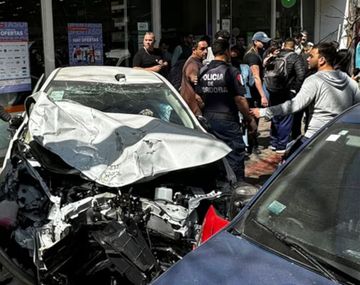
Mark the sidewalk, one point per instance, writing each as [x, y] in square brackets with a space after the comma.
[259, 167]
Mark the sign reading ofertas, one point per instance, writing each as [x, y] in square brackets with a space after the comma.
[14, 57]
[85, 44]
[288, 3]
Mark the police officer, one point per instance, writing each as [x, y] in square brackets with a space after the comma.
[223, 92]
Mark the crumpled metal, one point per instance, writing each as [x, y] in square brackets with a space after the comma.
[116, 149]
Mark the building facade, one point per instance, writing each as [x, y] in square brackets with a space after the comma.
[68, 32]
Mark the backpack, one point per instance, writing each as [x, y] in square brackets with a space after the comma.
[247, 78]
[276, 74]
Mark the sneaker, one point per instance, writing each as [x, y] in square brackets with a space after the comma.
[280, 151]
[273, 148]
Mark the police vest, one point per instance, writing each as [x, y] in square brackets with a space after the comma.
[215, 90]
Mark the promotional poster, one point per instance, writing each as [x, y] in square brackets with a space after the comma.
[85, 44]
[14, 57]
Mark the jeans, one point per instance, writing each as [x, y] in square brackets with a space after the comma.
[230, 132]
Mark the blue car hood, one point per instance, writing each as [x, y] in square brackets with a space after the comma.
[227, 260]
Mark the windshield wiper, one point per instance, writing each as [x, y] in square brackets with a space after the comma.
[303, 252]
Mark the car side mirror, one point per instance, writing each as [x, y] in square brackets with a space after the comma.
[203, 122]
[242, 193]
[15, 123]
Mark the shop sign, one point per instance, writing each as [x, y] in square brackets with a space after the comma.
[288, 3]
[85, 44]
[143, 26]
[14, 57]
[225, 24]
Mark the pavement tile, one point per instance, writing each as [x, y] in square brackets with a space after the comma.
[259, 167]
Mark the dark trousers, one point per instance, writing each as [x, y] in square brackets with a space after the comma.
[280, 131]
[230, 132]
[252, 140]
[281, 126]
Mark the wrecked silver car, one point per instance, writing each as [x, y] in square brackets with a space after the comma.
[107, 180]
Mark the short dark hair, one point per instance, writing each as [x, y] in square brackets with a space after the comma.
[220, 46]
[196, 43]
[205, 38]
[290, 40]
[290, 43]
[328, 51]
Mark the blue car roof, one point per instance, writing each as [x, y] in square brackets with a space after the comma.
[350, 116]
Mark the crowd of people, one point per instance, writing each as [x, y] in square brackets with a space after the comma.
[291, 82]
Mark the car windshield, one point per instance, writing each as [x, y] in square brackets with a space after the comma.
[314, 202]
[156, 100]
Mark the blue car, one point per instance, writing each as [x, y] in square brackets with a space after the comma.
[303, 226]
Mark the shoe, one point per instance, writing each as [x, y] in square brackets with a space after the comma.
[280, 151]
[273, 148]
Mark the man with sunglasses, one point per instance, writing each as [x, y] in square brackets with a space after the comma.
[189, 76]
[328, 92]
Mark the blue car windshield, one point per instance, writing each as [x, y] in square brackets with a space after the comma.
[315, 201]
[155, 99]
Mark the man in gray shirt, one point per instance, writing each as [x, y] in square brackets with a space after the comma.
[328, 92]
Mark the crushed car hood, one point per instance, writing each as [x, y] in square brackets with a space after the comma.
[118, 149]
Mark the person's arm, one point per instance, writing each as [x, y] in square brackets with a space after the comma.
[137, 63]
[255, 70]
[241, 103]
[155, 68]
[243, 107]
[305, 96]
[194, 101]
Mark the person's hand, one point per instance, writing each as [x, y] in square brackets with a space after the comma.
[194, 79]
[252, 126]
[264, 101]
[255, 112]
[162, 63]
[157, 68]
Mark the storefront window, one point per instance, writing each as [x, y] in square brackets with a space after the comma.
[20, 49]
[250, 16]
[118, 21]
[289, 22]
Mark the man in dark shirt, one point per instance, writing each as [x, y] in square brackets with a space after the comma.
[149, 57]
[189, 76]
[253, 58]
[281, 125]
[223, 92]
